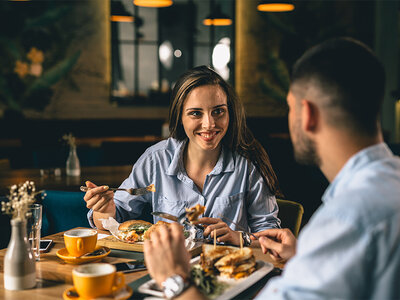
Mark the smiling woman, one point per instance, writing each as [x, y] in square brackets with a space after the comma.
[211, 159]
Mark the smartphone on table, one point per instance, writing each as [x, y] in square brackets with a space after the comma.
[130, 266]
[45, 245]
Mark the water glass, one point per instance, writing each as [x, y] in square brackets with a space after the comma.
[34, 227]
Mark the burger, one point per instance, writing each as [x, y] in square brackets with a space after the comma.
[154, 228]
[133, 231]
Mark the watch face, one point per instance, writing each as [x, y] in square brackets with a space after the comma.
[173, 286]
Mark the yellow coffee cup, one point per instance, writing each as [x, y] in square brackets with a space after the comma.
[96, 280]
[80, 241]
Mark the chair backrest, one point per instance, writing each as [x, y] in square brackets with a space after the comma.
[290, 214]
[62, 211]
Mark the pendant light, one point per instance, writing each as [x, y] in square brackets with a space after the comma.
[275, 6]
[153, 3]
[217, 18]
[119, 13]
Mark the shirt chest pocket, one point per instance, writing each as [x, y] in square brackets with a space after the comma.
[228, 206]
[172, 206]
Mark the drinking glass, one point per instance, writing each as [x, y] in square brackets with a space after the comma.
[34, 227]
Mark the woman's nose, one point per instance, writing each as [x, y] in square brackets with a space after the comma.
[208, 121]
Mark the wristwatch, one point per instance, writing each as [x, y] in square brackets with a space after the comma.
[246, 238]
[174, 286]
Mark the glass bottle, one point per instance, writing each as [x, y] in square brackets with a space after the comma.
[73, 167]
[19, 262]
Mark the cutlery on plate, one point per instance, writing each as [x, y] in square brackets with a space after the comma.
[238, 226]
[132, 191]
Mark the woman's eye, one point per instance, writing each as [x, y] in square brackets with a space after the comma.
[195, 113]
[218, 111]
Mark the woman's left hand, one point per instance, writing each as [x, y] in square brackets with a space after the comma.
[223, 232]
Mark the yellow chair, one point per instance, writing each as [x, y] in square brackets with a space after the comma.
[290, 214]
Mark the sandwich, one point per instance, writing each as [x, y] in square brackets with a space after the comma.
[238, 264]
[194, 212]
[133, 231]
[209, 256]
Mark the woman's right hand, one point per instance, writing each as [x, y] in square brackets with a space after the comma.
[99, 199]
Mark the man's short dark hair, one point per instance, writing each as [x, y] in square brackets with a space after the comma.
[350, 76]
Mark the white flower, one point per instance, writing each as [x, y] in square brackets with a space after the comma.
[21, 197]
[69, 139]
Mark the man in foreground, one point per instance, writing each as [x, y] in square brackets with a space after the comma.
[350, 249]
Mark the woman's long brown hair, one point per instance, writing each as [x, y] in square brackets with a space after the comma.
[238, 138]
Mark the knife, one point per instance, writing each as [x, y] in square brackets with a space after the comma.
[165, 215]
[175, 218]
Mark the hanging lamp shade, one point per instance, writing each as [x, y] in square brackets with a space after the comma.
[275, 6]
[119, 13]
[153, 3]
[217, 18]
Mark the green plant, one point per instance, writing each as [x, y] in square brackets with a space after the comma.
[33, 54]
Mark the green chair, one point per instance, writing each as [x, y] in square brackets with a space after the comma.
[62, 211]
[290, 214]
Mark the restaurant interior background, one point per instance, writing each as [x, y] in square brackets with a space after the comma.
[67, 67]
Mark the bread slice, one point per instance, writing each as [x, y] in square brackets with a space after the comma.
[235, 258]
[238, 264]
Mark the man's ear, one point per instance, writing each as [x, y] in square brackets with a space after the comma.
[310, 116]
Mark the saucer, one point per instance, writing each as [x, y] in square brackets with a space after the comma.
[124, 293]
[64, 255]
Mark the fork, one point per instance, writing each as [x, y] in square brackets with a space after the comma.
[132, 191]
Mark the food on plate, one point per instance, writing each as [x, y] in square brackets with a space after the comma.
[153, 228]
[238, 264]
[227, 261]
[133, 231]
[194, 212]
[210, 255]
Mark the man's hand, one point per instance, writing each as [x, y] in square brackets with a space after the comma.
[280, 243]
[223, 232]
[165, 254]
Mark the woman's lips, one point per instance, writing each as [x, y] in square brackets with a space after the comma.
[208, 136]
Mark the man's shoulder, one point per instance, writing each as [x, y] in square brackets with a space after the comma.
[369, 196]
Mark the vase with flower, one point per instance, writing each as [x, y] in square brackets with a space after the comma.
[19, 262]
[72, 167]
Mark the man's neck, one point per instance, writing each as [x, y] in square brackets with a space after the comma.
[336, 148]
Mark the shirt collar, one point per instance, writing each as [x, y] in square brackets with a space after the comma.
[355, 163]
[225, 163]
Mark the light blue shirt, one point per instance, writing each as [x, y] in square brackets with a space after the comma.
[234, 188]
[350, 249]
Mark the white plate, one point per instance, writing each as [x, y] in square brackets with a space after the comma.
[236, 286]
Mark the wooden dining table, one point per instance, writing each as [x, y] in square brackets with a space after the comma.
[54, 276]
